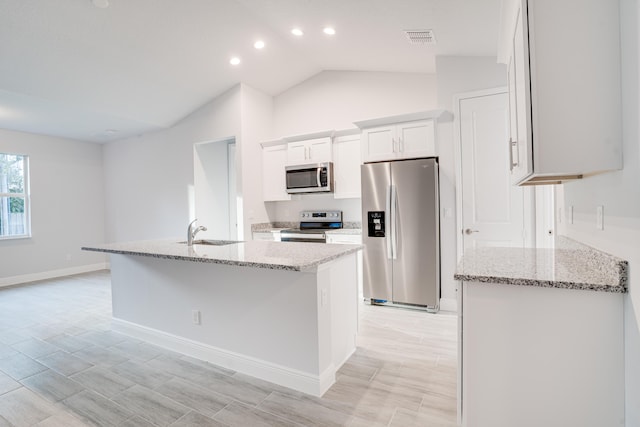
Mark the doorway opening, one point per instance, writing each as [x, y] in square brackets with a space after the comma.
[215, 188]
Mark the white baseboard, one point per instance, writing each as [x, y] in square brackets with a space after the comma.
[51, 274]
[315, 385]
[448, 304]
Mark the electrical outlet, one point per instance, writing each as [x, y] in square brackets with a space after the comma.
[600, 217]
[195, 316]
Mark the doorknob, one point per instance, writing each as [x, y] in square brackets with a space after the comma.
[470, 231]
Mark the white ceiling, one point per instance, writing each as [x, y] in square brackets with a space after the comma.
[68, 68]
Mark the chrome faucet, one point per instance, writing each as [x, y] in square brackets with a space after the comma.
[191, 233]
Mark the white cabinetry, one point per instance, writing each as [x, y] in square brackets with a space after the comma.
[534, 356]
[273, 236]
[314, 150]
[400, 137]
[350, 239]
[346, 167]
[563, 64]
[274, 160]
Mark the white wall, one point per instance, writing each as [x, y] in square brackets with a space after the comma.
[334, 100]
[619, 193]
[257, 126]
[456, 75]
[67, 200]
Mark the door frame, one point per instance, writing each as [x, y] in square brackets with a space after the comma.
[529, 201]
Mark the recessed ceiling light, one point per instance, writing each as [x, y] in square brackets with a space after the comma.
[297, 32]
[102, 4]
[258, 44]
[329, 31]
[234, 61]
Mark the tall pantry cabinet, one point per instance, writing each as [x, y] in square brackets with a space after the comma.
[563, 62]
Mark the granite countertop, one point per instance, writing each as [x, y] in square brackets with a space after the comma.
[261, 254]
[570, 265]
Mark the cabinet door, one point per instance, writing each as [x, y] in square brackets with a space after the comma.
[379, 143]
[297, 153]
[416, 139]
[315, 150]
[522, 152]
[346, 167]
[319, 150]
[274, 160]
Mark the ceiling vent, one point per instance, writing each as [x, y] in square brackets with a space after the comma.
[423, 37]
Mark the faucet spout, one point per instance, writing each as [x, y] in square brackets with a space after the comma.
[191, 232]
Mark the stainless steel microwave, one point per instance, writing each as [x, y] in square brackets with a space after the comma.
[311, 178]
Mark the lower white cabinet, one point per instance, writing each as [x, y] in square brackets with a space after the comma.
[273, 236]
[350, 239]
[274, 161]
[346, 167]
[534, 356]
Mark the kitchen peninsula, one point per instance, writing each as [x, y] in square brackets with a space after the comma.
[282, 312]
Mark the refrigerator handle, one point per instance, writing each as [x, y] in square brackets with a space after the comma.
[387, 222]
[393, 222]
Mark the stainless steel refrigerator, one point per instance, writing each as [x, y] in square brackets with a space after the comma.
[401, 232]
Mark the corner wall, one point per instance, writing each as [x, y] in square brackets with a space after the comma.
[67, 200]
[619, 193]
[456, 75]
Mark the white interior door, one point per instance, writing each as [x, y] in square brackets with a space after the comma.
[492, 209]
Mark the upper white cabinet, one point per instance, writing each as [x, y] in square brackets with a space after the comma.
[399, 137]
[346, 166]
[316, 150]
[563, 65]
[274, 160]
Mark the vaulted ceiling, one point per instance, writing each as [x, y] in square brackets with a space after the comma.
[71, 69]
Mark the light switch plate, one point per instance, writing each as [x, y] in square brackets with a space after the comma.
[600, 217]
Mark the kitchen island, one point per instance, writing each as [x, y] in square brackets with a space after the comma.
[282, 312]
[541, 335]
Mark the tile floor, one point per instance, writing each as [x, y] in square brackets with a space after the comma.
[61, 365]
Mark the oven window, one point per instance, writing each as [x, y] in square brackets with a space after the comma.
[302, 178]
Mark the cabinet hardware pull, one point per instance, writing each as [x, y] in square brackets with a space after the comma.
[513, 144]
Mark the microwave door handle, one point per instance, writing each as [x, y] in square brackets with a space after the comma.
[319, 184]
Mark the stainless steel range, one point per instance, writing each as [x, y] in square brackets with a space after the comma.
[313, 225]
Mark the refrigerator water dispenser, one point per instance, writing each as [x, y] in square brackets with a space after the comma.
[376, 223]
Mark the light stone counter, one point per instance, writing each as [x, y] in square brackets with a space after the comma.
[261, 254]
[571, 265]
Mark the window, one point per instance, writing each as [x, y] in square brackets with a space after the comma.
[14, 196]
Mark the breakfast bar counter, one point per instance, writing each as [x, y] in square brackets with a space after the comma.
[282, 312]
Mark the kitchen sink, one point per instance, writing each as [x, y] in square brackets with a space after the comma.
[212, 242]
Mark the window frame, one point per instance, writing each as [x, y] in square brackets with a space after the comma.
[26, 196]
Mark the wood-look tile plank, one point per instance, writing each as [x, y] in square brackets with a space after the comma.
[205, 401]
[68, 343]
[7, 383]
[22, 407]
[96, 410]
[193, 419]
[150, 405]
[103, 381]
[19, 366]
[102, 356]
[407, 418]
[62, 419]
[142, 374]
[239, 415]
[35, 348]
[65, 363]
[52, 386]
[304, 410]
[212, 379]
[137, 422]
